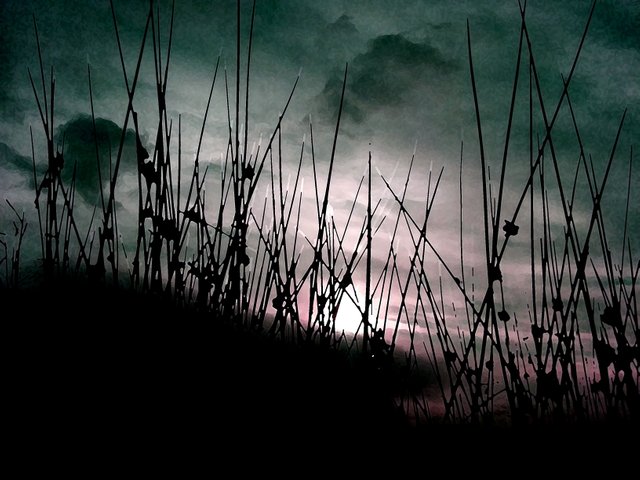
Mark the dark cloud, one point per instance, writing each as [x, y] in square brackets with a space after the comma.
[618, 22]
[387, 74]
[404, 64]
[79, 141]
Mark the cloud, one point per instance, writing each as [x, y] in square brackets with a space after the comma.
[13, 161]
[387, 74]
[617, 22]
[405, 64]
[77, 137]
[76, 140]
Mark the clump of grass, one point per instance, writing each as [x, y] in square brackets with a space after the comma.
[562, 387]
[12, 265]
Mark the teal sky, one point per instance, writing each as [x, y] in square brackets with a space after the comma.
[409, 74]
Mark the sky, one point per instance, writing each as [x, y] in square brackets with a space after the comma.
[408, 89]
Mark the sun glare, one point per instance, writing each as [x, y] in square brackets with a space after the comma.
[349, 315]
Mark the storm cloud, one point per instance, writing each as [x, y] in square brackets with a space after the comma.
[387, 74]
[78, 142]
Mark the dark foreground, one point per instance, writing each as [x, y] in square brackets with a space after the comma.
[113, 368]
[90, 361]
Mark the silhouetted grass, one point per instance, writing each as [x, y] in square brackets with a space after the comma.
[246, 297]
